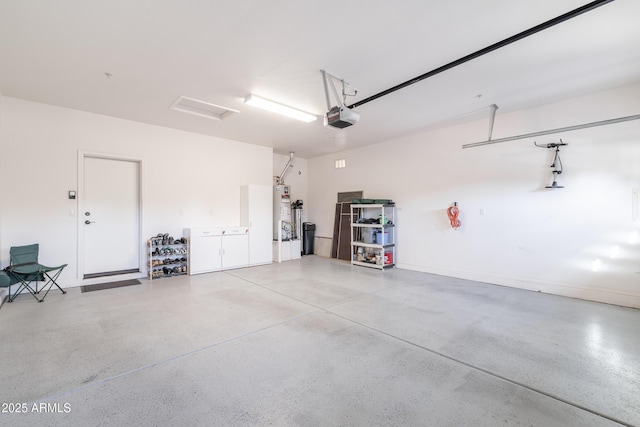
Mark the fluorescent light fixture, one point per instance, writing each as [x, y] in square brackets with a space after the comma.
[276, 107]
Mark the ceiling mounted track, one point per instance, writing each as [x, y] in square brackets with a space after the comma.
[550, 23]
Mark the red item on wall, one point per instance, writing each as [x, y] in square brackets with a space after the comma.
[453, 212]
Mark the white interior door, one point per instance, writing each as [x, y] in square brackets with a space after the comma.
[111, 217]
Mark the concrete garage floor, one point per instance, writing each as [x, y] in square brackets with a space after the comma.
[316, 342]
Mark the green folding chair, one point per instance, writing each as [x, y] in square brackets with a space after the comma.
[25, 271]
[5, 281]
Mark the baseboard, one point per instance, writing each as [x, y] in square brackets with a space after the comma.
[561, 289]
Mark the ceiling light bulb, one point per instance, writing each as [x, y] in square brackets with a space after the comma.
[276, 107]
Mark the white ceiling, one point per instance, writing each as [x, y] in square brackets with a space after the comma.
[57, 52]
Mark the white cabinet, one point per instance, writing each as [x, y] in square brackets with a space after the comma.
[206, 245]
[373, 235]
[217, 248]
[287, 250]
[235, 247]
[256, 213]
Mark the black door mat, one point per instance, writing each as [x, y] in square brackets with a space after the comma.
[109, 285]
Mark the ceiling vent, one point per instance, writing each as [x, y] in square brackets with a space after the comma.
[201, 108]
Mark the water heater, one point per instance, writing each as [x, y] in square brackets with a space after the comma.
[282, 212]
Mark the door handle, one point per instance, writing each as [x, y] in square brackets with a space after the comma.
[89, 222]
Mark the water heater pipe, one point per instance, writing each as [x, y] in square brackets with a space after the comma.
[286, 169]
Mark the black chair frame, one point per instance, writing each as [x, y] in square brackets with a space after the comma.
[27, 273]
[25, 270]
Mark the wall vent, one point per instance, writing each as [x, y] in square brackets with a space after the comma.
[201, 108]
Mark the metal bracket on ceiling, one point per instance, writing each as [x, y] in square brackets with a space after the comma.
[328, 80]
[492, 117]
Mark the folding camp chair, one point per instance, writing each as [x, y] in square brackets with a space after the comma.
[5, 281]
[25, 270]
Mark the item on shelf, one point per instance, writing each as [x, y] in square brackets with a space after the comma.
[388, 258]
[372, 201]
[167, 256]
[382, 238]
[368, 235]
[373, 235]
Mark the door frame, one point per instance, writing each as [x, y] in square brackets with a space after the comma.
[82, 154]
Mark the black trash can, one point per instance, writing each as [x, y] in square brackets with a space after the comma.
[308, 236]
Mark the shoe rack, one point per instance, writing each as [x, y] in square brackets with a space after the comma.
[167, 256]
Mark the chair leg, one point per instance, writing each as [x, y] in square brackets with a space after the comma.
[23, 285]
[25, 280]
[51, 280]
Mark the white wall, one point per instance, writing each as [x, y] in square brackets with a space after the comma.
[528, 237]
[188, 179]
